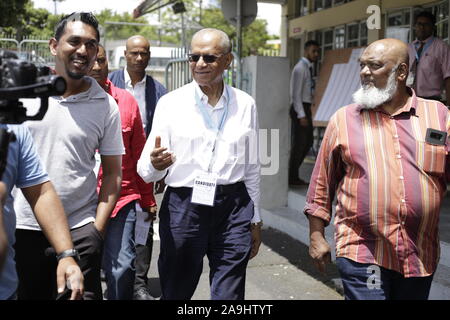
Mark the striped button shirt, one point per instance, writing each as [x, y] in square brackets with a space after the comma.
[389, 183]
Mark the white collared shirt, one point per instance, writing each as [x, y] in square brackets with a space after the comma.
[138, 92]
[180, 124]
[300, 86]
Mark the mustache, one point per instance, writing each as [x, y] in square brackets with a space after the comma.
[78, 57]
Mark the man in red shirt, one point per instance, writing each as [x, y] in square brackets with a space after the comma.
[119, 250]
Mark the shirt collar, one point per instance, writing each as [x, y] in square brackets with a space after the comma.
[417, 41]
[128, 79]
[409, 107]
[110, 89]
[306, 60]
[94, 92]
[204, 97]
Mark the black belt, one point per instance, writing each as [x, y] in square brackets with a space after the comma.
[220, 189]
[229, 188]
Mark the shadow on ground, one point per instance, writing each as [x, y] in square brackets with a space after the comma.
[298, 255]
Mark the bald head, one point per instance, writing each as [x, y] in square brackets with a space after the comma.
[137, 41]
[137, 54]
[211, 35]
[384, 71]
[393, 50]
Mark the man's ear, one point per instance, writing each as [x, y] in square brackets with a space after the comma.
[403, 74]
[229, 60]
[53, 44]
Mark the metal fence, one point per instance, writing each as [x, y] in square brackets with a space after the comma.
[178, 73]
[32, 49]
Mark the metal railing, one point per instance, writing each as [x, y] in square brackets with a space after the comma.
[177, 73]
[35, 50]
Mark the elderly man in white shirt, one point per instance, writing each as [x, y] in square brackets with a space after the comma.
[212, 171]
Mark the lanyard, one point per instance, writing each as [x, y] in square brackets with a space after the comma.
[209, 121]
[425, 47]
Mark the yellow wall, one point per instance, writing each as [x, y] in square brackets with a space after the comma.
[346, 13]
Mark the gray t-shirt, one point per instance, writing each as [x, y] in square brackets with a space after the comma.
[66, 139]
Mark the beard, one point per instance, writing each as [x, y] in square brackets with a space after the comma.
[75, 76]
[370, 97]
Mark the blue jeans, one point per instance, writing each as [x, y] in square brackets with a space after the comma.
[371, 282]
[119, 254]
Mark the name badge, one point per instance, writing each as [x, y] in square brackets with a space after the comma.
[204, 190]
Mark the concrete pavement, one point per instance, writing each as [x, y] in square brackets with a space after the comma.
[290, 221]
[281, 271]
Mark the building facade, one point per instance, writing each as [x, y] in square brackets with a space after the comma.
[337, 24]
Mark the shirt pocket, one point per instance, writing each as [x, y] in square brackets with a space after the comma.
[431, 158]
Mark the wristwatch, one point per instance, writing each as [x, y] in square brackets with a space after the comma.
[256, 224]
[69, 253]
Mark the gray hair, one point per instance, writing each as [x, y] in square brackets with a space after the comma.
[225, 42]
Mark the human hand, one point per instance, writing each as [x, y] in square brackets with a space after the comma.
[159, 186]
[3, 193]
[303, 121]
[151, 213]
[256, 240]
[320, 252]
[160, 159]
[100, 228]
[68, 272]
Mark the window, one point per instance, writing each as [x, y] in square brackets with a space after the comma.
[304, 7]
[441, 13]
[363, 33]
[352, 35]
[339, 37]
[398, 24]
[301, 8]
[325, 4]
[318, 5]
[327, 40]
[346, 36]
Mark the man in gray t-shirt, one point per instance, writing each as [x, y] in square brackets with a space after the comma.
[83, 120]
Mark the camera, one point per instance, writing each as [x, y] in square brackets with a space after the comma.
[23, 79]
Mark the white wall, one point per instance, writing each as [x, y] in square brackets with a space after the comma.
[267, 80]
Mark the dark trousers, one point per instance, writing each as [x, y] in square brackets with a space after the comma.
[301, 140]
[37, 271]
[370, 282]
[143, 260]
[189, 232]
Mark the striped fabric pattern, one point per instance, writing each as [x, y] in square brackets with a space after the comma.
[388, 182]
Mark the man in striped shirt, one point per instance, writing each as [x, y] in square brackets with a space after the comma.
[386, 159]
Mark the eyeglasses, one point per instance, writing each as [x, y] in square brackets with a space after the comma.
[207, 58]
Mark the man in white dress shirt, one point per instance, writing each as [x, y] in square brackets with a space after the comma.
[211, 204]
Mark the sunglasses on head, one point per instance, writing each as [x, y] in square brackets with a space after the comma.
[207, 58]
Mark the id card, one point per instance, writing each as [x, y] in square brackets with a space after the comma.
[204, 190]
